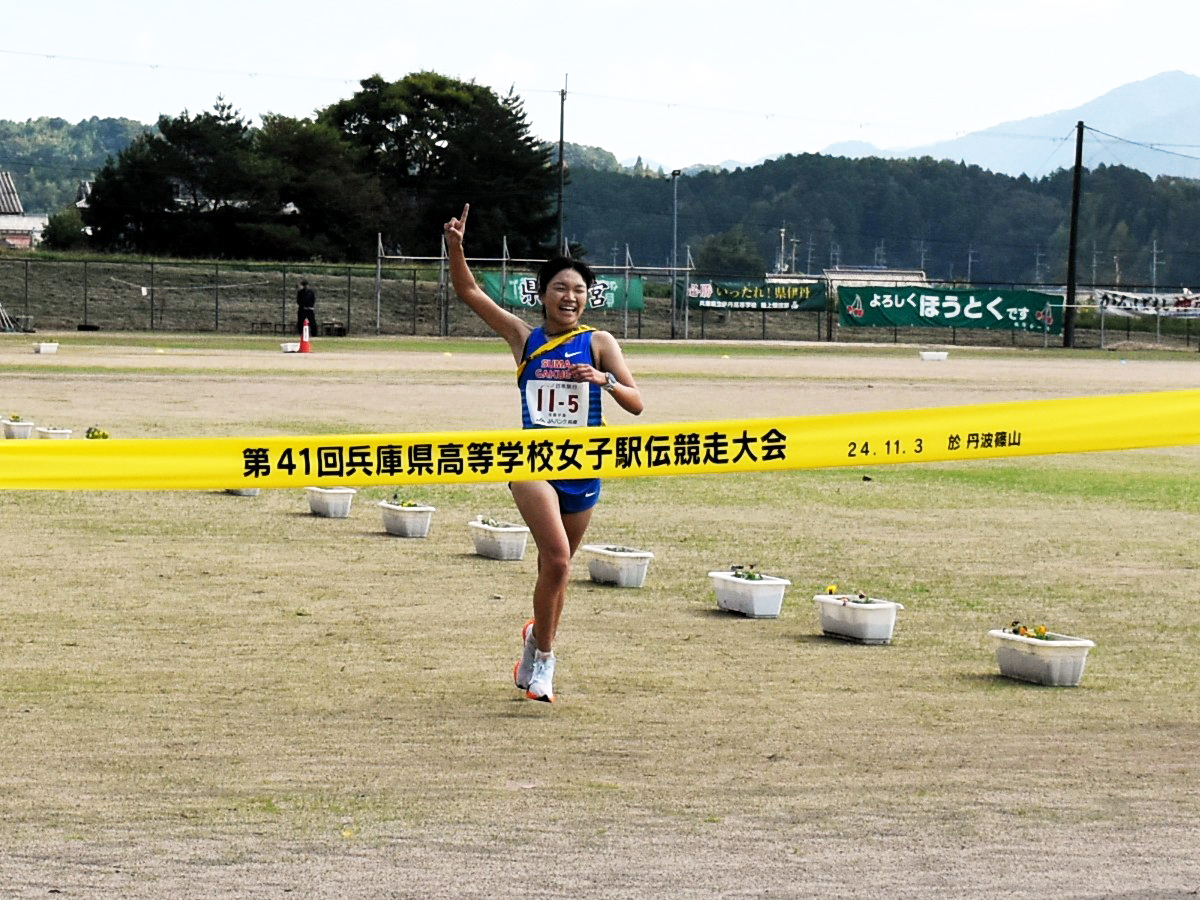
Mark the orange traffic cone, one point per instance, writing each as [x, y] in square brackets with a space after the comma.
[305, 346]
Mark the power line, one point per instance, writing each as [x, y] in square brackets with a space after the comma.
[169, 67]
[1158, 148]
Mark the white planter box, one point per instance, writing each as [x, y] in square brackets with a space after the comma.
[17, 430]
[499, 541]
[843, 616]
[1058, 661]
[934, 355]
[243, 492]
[290, 347]
[332, 503]
[54, 434]
[406, 521]
[45, 347]
[759, 598]
[616, 565]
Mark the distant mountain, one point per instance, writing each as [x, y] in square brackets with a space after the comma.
[1157, 121]
[49, 157]
[728, 165]
[1151, 125]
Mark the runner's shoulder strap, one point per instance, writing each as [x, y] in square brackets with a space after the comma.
[557, 341]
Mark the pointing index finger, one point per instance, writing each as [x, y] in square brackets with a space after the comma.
[466, 209]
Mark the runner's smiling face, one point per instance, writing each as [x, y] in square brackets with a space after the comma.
[564, 300]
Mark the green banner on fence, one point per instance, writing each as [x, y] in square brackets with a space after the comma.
[755, 293]
[928, 307]
[521, 290]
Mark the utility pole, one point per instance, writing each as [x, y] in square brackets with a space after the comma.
[779, 264]
[1072, 241]
[675, 173]
[970, 262]
[562, 163]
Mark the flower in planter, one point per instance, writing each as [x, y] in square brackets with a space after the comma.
[860, 596]
[746, 572]
[493, 523]
[1037, 631]
[397, 500]
[621, 549]
[96, 433]
[14, 418]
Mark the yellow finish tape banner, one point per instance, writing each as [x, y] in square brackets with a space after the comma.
[957, 433]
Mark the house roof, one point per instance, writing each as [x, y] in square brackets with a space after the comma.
[10, 203]
[851, 275]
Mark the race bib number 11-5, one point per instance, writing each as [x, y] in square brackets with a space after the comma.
[558, 404]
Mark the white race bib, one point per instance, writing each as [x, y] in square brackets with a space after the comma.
[557, 404]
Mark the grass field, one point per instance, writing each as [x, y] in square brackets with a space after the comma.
[206, 695]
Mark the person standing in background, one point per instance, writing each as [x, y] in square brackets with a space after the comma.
[306, 308]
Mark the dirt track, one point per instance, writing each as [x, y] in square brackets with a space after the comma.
[729, 838]
[375, 389]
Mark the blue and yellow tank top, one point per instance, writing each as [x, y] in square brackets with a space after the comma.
[548, 398]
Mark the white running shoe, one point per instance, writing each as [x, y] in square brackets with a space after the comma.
[523, 667]
[541, 683]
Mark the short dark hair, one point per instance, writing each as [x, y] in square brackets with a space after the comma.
[552, 267]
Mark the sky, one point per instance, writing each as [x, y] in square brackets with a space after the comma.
[675, 83]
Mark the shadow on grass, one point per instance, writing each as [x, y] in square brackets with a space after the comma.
[994, 681]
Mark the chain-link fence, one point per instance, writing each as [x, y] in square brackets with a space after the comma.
[411, 299]
[196, 297]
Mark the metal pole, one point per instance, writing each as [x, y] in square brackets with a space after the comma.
[443, 294]
[503, 270]
[1069, 309]
[562, 167]
[625, 312]
[378, 277]
[687, 287]
[216, 296]
[85, 291]
[675, 173]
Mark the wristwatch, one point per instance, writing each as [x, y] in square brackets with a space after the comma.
[611, 384]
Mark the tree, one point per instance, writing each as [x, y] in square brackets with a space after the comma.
[210, 185]
[326, 205]
[131, 200]
[186, 190]
[731, 253]
[211, 158]
[436, 143]
[65, 231]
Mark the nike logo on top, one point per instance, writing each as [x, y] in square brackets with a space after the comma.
[571, 353]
